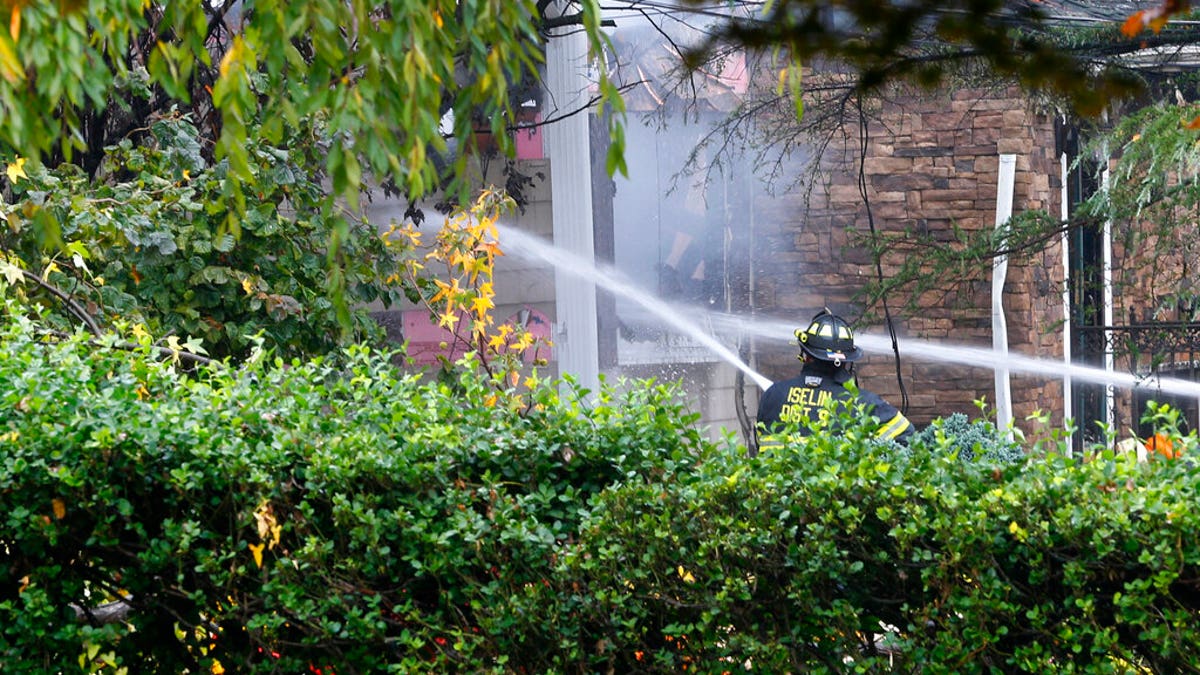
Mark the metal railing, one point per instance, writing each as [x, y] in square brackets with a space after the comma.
[1169, 348]
[1141, 348]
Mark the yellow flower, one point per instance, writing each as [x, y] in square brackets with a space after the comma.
[481, 304]
[523, 342]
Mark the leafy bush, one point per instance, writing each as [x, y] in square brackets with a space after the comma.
[292, 515]
[838, 554]
[146, 241]
[289, 517]
[968, 440]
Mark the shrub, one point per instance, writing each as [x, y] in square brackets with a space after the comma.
[293, 515]
[968, 440]
[346, 517]
[838, 554]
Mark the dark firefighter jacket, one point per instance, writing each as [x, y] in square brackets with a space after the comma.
[805, 397]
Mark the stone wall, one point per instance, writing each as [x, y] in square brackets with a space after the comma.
[931, 165]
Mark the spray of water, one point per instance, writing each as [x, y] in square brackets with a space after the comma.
[929, 351]
[940, 352]
[529, 246]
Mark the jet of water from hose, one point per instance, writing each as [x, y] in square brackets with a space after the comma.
[612, 280]
[984, 357]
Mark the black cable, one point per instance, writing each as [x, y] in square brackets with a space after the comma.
[863, 138]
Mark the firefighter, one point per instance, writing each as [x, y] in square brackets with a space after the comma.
[828, 351]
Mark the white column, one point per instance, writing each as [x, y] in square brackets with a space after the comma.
[567, 145]
[1004, 208]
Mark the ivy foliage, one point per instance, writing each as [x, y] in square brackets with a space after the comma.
[142, 243]
[288, 515]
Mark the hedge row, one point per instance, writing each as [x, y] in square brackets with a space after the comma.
[343, 516]
[847, 557]
[289, 516]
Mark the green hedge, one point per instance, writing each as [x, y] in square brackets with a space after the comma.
[410, 512]
[409, 526]
[843, 555]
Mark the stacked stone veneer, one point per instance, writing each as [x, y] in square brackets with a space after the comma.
[932, 164]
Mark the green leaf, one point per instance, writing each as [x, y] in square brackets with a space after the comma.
[224, 242]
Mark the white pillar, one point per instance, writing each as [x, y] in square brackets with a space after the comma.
[1004, 208]
[568, 147]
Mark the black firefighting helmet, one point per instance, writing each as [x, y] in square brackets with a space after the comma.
[829, 338]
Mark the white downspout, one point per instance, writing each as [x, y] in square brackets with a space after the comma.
[1068, 395]
[567, 145]
[1004, 207]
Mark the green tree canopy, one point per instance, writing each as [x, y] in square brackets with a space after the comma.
[393, 92]
[171, 162]
[372, 79]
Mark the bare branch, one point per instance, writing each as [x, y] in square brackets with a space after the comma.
[165, 352]
[72, 306]
[116, 611]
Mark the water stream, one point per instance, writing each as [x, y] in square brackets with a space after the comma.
[529, 246]
[933, 351]
[523, 244]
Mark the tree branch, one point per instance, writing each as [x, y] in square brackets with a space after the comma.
[110, 612]
[570, 113]
[562, 20]
[165, 352]
[72, 306]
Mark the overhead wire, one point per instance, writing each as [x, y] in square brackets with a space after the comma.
[864, 141]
